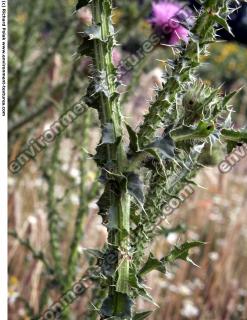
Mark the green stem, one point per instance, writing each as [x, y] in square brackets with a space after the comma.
[53, 215]
[82, 210]
[233, 135]
[111, 114]
[25, 44]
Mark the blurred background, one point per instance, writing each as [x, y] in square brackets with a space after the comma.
[46, 77]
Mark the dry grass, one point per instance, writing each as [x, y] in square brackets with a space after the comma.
[217, 290]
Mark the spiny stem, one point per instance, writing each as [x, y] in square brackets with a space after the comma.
[111, 114]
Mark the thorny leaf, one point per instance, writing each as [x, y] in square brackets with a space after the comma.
[165, 146]
[229, 96]
[94, 32]
[124, 304]
[135, 187]
[182, 252]
[221, 21]
[138, 287]
[152, 264]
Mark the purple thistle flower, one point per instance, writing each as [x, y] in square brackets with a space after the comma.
[166, 21]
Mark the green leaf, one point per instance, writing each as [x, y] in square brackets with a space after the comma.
[94, 32]
[110, 262]
[142, 315]
[138, 287]
[152, 264]
[229, 96]
[123, 306]
[184, 133]
[135, 187]
[221, 21]
[157, 156]
[82, 3]
[104, 203]
[182, 252]
[108, 134]
[165, 146]
[134, 143]
[231, 145]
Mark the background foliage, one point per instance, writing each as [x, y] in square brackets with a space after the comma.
[45, 78]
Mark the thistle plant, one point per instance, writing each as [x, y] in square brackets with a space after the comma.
[143, 169]
[141, 177]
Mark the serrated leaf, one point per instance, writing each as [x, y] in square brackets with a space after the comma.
[165, 146]
[142, 315]
[152, 264]
[94, 32]
[221, 21]
[182, 252]
[228, 97]
[124, 304]
[157, 156]
[138, 287]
